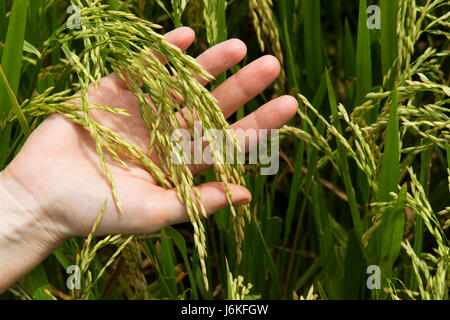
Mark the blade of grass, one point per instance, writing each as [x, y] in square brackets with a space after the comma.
[3, 22]
[152, 254]
[350, 62]
[168, 263]
[222, 33]
[313, 43]
[11, 62]
[389, 9]
[350, 55]
[354, 272]
[176, 13]
[393, 227]
[37, 283]
[391, 155]
[306, 181]
[12, 54]
[356, 218]
[293, 193]
[363, 57]
[425, 166]
[295, 185]
[33, 34]
[61, 257]
[5, 87]
[389, 176]
[218, 30]
[292, 76]
[335, 9]
[363, 83]
[272, 267]
[326, 244]
[181, 245]
[253, 259]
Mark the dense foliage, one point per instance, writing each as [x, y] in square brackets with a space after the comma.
[364, 176]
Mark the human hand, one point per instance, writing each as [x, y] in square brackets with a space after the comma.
[58, 171]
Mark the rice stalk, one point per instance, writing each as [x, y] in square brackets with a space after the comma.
[264, 23]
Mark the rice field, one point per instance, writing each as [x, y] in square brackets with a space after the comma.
[359, 205]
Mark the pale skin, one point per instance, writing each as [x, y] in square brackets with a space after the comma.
[54, 188]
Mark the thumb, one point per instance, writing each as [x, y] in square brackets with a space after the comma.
[213, 197]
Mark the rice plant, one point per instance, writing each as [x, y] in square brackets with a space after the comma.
[364, 176]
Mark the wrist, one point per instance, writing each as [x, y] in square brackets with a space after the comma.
[27, 234]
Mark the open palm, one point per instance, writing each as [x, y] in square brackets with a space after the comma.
[59, 167]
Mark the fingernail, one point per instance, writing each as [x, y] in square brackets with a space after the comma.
[243, 201]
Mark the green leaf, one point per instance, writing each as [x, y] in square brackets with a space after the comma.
[389, 40]
[168, 264]
[354, 273]
[272, 267]
[389, 177]
[286, 18]
[356, 218]
[350, 55]
[363, 57]
[3, 21]
[313, 43]
[11, 63]
[12, 54]
[181, 245]
[13, 101]
[33, 34]
[61, 257]
[293, 193]
[161, 4]
[221, 21]
[37, 283]
[217, 30]
[325, 239]
[390, 168]
[393, 226]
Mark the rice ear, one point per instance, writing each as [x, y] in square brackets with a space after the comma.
[121, 41]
